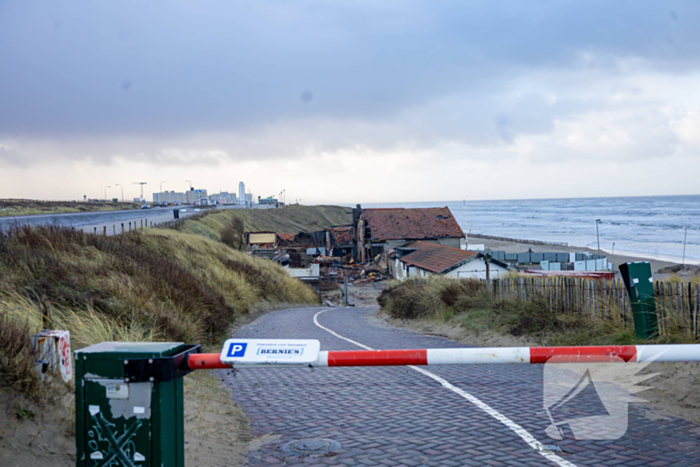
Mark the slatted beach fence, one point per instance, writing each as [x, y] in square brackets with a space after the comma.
[677, 303]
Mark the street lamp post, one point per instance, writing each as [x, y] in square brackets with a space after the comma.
[106, 192]
[122, 187]
[597, 221]
[190, 182]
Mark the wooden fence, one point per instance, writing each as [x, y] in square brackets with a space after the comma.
[677, 303]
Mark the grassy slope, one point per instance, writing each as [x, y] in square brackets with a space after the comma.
[180, 285]
[26, 207]
[465, 304]
[154, 285]
[291, 219]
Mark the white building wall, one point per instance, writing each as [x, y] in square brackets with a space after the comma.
[313, 271]
[476, 269]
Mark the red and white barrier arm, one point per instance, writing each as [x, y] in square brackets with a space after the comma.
[626, 353]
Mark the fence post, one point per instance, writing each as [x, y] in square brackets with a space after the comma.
[122, 227]
[95, 232]
[114, 229]
[695, 313]
[606, 305]
[594, 290]
[681, 296]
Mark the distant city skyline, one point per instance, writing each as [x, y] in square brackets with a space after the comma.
[348, 102]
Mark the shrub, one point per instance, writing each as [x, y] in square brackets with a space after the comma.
[232, 234]
[16, 358]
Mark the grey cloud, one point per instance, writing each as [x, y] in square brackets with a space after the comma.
[161, 70]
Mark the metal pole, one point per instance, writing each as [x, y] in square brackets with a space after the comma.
[597, 221]
[528, 355]
[346, 290]
[685, 237]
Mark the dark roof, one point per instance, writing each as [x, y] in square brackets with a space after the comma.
[342, 235]
[436, 258]
[411, 224]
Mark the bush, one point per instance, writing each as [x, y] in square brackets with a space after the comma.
[232, 234]
[469, 305]
[16, 358]
[413, 298]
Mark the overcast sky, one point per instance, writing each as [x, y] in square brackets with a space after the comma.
[350, 101]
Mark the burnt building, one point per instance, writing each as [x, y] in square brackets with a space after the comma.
[379, 230]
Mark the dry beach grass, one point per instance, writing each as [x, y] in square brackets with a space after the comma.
[161, 285]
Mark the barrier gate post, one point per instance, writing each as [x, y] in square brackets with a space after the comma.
[129, 403]
[129, 395]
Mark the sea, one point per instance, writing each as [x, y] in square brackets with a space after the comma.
[656, 227]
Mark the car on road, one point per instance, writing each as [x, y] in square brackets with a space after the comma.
[145, 206]
[163, 205]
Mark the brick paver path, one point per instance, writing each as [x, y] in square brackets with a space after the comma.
[396, 416]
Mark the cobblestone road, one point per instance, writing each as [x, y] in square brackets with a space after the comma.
[396, 416]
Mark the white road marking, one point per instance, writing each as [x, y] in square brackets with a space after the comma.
[520, 431]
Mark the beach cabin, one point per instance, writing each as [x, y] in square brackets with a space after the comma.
[424, 259]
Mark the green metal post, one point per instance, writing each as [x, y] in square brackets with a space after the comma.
[640, 287]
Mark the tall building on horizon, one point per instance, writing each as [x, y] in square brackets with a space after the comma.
[241, 193]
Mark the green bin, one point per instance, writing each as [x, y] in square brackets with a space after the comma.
[640, 287]
[128, 404]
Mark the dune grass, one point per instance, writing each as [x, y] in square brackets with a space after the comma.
[157, 284]
[467, 304]
[290, 219]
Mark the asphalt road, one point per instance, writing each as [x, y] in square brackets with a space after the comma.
[453, 415]
[89, 221]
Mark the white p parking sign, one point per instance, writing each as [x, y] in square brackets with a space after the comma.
[270, 351]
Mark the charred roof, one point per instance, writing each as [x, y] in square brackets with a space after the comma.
[411, 224]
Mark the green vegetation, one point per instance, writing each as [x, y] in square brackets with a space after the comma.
[24, 413]
[228, 225]
[467, 304]
[157, 284]
[26, 207]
